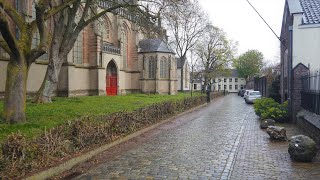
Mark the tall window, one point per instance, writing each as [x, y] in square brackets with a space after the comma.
[164, 68]
[230, 80]
[78, 50]
[152, 68]
[225, 80]
[236, 87]
[230, 87]
[124, 37]
[104, 28]
[225, 87]
[236, 80]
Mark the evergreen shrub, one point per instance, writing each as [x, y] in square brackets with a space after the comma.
[268, 108]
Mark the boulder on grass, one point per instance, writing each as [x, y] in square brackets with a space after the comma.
[302, 148]
[266, 122]
[277, 133]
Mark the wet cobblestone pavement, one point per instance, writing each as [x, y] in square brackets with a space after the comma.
[220, 141]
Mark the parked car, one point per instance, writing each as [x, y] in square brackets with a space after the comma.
[246, 93]
[252, 96]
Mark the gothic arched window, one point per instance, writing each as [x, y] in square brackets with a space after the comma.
[164, 68]
[152, 68]
[77, 50]
[124, 38]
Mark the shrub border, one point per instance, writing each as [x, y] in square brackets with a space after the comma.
[86, 156]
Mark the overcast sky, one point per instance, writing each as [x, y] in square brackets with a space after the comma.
[242, 24]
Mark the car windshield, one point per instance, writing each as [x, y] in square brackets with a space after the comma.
[255, 93]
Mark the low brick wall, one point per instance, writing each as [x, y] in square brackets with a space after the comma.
[310, 123]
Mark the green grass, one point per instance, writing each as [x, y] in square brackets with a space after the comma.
[41, 116]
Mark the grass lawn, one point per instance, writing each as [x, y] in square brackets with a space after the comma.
[41, 116]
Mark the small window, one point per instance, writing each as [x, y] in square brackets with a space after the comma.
[236, 80]
[230, 80]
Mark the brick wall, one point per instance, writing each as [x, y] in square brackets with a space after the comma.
[297, 72]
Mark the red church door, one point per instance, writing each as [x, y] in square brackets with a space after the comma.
[112, 85]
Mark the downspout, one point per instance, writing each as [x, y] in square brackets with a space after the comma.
[290, 72]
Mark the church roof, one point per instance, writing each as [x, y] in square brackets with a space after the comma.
[154, 45]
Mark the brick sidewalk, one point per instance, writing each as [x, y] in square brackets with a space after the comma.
[258, 157]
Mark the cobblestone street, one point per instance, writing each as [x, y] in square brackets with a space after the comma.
[220, 141]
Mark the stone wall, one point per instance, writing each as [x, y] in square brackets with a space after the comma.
[310, 123]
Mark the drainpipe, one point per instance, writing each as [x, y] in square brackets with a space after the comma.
[290, 74]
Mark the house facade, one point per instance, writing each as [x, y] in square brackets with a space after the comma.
[106, 60]
[232, 83]
[300, 48]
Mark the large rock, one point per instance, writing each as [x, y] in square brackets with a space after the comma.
[266, 122]
[277, 133]
[302, 148]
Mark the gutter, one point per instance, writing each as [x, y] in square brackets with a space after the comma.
[290, 80]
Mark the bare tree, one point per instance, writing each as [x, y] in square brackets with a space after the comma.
[16, 39]
[186, 23]
[195, 68]
[215, 53]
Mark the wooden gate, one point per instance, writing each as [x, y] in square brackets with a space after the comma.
[112, 85]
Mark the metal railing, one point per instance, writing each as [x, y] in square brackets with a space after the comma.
[109, 48]
[310, 94]
[310, 100]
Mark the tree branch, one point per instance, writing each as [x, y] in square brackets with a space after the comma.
[13, 14]
[7, 34]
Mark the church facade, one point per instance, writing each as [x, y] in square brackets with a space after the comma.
[110, 57]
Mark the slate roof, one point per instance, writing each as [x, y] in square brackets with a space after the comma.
[154, 45]
[234, 73]
[311, 11]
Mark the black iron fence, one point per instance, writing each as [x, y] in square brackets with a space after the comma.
[310, 94]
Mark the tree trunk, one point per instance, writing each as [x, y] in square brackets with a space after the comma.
[57, 56]
[16, 91]
[49, 84]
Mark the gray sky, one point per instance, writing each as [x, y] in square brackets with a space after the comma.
[242, 24]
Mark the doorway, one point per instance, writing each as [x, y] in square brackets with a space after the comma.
[112, 79]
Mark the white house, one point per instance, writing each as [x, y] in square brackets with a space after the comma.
[300, 49]
[232, 83]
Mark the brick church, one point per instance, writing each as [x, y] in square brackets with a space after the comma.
[110, 57]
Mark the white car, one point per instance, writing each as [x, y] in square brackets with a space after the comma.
[252, 96]
[247, 93]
